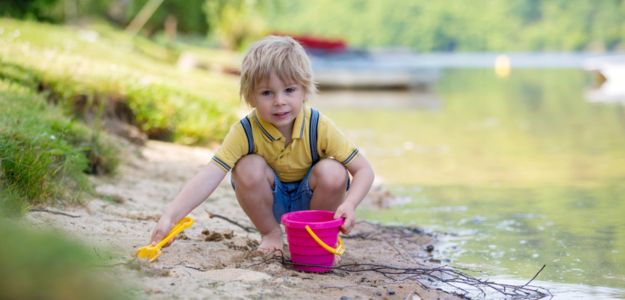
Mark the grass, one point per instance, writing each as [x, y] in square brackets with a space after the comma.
[44, 155]
[89, 73]
[47, 265]
[52, 78]
[104, 65]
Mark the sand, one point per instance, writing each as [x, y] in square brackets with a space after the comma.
[214, 258]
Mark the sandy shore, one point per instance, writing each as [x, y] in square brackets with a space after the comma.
[215, 258]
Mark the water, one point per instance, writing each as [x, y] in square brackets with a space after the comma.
[520, 171]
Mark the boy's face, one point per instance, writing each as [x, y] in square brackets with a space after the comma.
[278, 102]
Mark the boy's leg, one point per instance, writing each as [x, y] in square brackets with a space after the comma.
[254, 181]
[328, 181]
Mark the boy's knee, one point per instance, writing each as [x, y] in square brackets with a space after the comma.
[330, 174]
[251, 170]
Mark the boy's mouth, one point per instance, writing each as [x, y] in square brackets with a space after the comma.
[281, 114]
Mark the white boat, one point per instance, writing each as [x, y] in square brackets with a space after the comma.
[610, 74]
[371, 71]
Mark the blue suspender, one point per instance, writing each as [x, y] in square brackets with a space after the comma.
[312, 134]
[247, 126]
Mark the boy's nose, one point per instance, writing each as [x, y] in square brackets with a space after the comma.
[279, 99]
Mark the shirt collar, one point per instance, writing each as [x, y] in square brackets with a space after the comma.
[272, 133]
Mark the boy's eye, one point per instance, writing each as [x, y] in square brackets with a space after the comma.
[290, 89]
[265, 93]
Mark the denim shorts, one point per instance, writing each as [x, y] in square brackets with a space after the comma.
[292, 196]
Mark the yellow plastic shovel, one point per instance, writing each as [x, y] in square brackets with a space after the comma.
[152, 252]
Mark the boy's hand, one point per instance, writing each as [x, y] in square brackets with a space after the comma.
[347, 211]
[161, 230]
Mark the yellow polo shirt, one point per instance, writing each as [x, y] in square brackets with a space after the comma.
[290, 162]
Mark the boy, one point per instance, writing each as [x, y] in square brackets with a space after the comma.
[276, 167]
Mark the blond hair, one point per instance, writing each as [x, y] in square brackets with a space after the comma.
[279, 54]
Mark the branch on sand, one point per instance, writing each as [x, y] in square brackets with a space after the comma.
[53, 212]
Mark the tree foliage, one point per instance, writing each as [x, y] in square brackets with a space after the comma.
[188, 13]
[480, 25]
[27, 9]
[421, 25]
[235, 22]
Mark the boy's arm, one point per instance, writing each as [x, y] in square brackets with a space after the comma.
[194, 192]
[362, 179]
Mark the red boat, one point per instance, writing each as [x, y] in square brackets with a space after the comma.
[320, 45]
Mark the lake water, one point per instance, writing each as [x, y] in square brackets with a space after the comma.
[520, 171]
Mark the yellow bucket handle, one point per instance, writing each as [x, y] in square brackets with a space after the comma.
[339, 249]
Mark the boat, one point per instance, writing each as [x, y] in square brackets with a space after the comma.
[319, 46]
[609, 72]
[337, 66]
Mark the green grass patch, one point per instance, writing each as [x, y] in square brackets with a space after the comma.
[44, 155]
[47, 265]
[90, 73]
[104, 65]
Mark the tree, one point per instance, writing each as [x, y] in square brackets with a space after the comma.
[235, 22]
[28, 9]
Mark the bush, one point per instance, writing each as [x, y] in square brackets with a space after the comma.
[44, 155]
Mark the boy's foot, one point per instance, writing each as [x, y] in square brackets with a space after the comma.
[271, 242]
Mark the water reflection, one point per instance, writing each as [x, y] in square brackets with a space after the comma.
[523, 170]
[416, 99]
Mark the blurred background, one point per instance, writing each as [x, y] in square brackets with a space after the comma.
[498, 124]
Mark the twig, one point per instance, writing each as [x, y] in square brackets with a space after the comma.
[246, 228]
[401, 253]
[111, 265]
[53, 212]
[120, 220]
[451, 278]
[195, 268]
[340, 287]
[95, 250]
[535, 275]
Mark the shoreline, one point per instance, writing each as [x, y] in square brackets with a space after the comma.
[216, 258]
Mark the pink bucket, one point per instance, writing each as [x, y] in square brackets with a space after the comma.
[313, 249]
